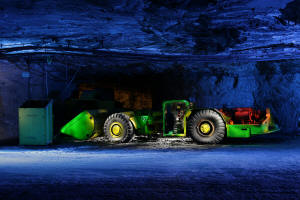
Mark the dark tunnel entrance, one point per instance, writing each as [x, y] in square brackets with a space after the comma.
[140, 87]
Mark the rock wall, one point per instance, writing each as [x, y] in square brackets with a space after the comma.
[15, 90]
[278, 87]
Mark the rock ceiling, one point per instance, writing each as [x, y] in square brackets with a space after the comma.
[136, 29]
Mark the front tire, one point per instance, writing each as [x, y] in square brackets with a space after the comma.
[207, 126]
[118, 128]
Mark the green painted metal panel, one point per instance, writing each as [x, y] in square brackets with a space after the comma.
[246, 130]
[36, 123]
[146, 122]
[259, 129]
[238, 131]
[80, 127]
[142, 123]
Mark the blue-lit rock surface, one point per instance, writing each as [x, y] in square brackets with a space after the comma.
[251, 27]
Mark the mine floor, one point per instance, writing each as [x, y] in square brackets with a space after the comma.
[166, 168]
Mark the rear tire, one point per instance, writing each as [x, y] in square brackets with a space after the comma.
[207, 126]
[118, 128]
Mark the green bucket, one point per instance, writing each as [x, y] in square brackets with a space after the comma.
[80, 127]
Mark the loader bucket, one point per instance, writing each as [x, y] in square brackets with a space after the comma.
[80, 127]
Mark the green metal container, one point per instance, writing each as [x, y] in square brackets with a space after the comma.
[81, 127]
[36, 123]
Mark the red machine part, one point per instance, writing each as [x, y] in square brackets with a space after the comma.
[244, 115]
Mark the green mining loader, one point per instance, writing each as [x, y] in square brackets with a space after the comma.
[179, 118]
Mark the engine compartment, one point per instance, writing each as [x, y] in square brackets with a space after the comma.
[244, 115]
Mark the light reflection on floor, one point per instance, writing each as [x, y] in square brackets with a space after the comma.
[91, 171]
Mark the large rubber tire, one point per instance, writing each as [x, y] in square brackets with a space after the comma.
[118, 121]
[207, 126]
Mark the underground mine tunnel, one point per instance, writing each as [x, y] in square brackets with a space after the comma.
[78, 75]
[139, 85]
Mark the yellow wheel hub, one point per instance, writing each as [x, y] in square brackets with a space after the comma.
[116, 129]
[205, 128]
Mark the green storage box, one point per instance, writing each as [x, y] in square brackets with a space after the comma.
[80, 127]
[36, 122]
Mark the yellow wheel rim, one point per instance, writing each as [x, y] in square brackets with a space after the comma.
[205, 128]
[116, 130]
